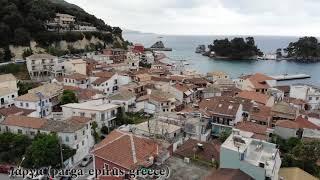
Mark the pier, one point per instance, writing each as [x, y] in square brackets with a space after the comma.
[286, 77]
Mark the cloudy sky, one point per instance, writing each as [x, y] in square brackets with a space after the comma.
[210, 17]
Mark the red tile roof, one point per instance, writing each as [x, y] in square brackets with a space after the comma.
[287, 124]
[259, 80]
[77, 76]
[13, 110]
[24, 121]
[255, 96]
[126, 149]
[304, 123]
[208, 152]
[260, 113]
[258, 130]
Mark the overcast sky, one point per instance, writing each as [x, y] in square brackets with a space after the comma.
[210, 17]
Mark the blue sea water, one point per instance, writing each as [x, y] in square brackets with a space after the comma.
[184, 48]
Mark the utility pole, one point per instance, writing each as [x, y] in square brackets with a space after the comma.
[61, 154]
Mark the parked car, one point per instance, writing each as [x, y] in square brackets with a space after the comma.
[86, 160]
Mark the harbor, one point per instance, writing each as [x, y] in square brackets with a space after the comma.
[286, 77]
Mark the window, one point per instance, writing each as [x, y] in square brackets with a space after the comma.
[12, 96]
[32, 133]
[102, 117]
[82, 114]
[66, 80]
[77, 146]
[67, 138]
[19, 131]
[82, 143]
[75, 137]
[21, 104]
[83, 132]
[317, 98]
[27, 104]
[310, 98]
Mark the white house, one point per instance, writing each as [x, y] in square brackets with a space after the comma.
[182, 92]
[156, 101]
[124, 98]
[8, 90]
[309, 93]
[43, 66]
[75, 132]
[76, 80]
[35, 101]
[256, 82]
[100, 111]
[106, 82]
[133, 61]
[257, 158]
[50, 90]
[75, 66]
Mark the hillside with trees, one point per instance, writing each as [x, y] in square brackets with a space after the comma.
[306, 48]
[24, 20]
[237, 48]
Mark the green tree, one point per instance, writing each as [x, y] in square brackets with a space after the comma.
[27, 52]
[13, 147]
[67, 97]
[21, 37]
[95, 134]
[304, 48]
[224, 135]
[45, 151]
[24, 87]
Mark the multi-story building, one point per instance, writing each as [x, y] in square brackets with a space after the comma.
[75, 132]
[76, 80]
[106, 82]
[8, 90]
[43, 66]
[51, 90]
[75, 66]
[256, 82]
[223, 111]
[35, 101]
[309, 93]
[156, 101]
[257, 158]
[61, 22]
[100, 111]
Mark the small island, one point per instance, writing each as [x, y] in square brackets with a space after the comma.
[237, 48]
[306, 49]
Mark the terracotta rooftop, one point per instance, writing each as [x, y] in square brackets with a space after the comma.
[287, 124]
[220, 105]
[160, 96]
[260, 113]
[13, 110]
[228, 174]
[49, 90]
[258, 80]
[104, 74]
[181, 87]
[77, 76]
[31, 97]
[207, 152]
[24, 121]
[258, 130]
[100, 80]
[304, 123]
[283, 107]
[255, 96]
[126, 150]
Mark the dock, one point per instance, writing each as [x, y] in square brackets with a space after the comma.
[286, 77]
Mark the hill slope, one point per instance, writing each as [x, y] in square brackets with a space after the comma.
[24, 20]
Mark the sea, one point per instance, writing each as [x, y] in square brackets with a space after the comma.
[184, 49]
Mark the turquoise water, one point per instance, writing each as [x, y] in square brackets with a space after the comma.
[184, 47]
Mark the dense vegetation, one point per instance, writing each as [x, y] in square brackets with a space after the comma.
[44, 146]
[25, 20]
[20, 71]
[297, 153]
[307, 48]
[67, 97]
[13, 147]
[237, 48]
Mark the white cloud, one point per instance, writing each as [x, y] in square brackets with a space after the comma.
[247, 17]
